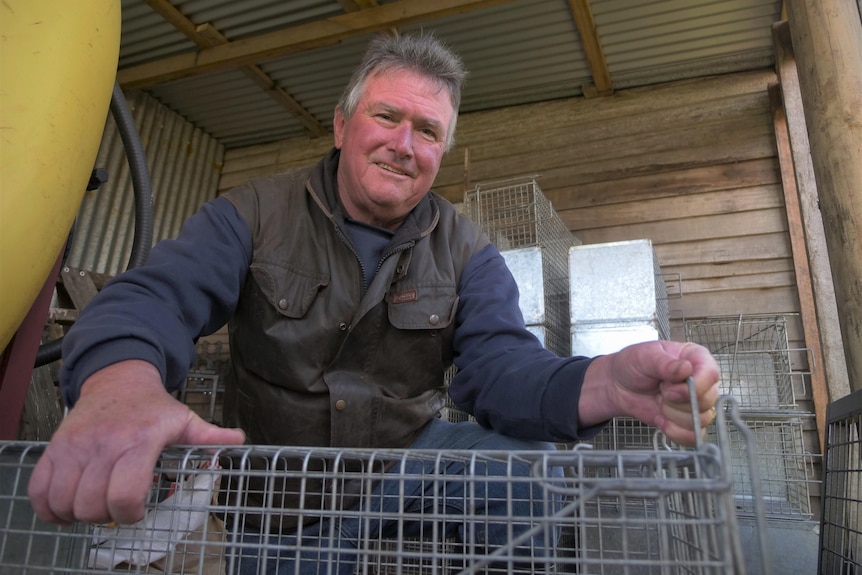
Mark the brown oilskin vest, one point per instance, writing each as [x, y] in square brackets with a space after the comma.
[315, 363]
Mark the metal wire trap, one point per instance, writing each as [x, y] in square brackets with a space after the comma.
[841, 523]
[665, 512]
[520, 220]
[754, 357]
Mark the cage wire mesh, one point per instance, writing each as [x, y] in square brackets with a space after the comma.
[786, 470]
[203, 392]
[662, 300]
[663, 512]
[753, 354]
[623, 433]
[212, 355]
[203, 389]
[450, 411]
[516, 214]
[841, 519]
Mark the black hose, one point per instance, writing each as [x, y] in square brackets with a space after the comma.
[143, 238]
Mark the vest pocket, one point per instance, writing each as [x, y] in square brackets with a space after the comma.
[424, 306]
[290, 291]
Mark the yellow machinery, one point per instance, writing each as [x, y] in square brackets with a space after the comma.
[59, 62]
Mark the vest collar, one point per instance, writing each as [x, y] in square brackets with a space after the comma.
[323, 186]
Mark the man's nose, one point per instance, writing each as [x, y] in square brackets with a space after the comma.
[402, 139]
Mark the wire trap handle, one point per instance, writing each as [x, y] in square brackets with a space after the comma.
[728, 408]
[695, 412]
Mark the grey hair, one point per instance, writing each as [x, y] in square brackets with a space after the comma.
[423, 54]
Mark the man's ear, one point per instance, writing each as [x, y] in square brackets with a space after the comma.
[338, 127]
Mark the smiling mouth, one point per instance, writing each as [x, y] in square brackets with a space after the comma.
[389, 168]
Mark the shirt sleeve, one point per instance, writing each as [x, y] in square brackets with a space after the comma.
[187, 289]
[505, 378]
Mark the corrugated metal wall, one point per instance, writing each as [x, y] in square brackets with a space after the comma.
[185, 166]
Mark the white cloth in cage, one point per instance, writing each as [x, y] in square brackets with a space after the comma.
[158, 533]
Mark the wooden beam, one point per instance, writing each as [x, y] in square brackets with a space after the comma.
[349, 5]
[812, 220]
[357, 5]
[827, 43]
[807, 305]
[174, 17]
[583, 16]
[206, 36]
[312, 126]
[293, 40]
[79, 285]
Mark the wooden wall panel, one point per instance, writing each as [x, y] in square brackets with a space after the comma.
[268, 159]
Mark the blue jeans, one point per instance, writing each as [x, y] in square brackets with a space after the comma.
[332, 546]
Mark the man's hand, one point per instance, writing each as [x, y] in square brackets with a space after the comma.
[99, 464]
[647, 381]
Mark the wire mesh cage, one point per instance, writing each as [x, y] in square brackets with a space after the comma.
[328, 510]
[203, 389]
[203, 392]
[786, 471]
[841, 519]
[753, 354]
[212, 355]
[516, 215]
[624, 433]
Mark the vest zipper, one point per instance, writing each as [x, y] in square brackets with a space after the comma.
[346, 240]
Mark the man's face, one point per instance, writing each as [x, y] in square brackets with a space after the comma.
[392, 146]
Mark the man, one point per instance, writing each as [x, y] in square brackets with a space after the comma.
[350, 288]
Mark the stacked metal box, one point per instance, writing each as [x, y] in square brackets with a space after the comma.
[542, 303]
[521, 222]
[618, 297]
[753, 355]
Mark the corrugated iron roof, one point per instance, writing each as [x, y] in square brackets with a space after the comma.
[520, 51]
[665, 40]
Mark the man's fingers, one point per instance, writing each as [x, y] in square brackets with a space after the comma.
[65, 480]
[129, 487]
[88, 501]
[677, 395]
[681, 435]
[39, 490]
[679, 423]
[200, 432]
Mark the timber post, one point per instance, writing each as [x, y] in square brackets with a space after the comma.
[827, 41]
